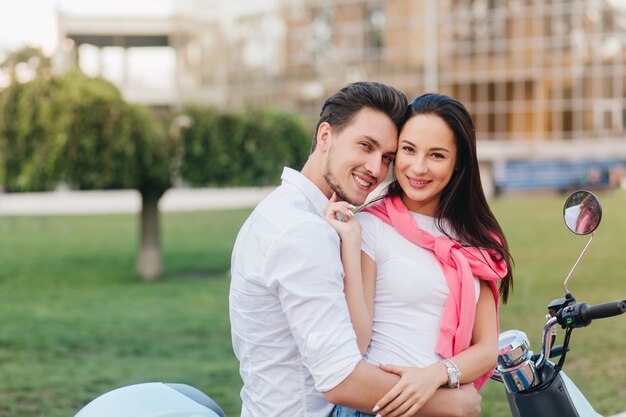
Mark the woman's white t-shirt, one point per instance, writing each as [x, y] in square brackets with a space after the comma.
[411, 292]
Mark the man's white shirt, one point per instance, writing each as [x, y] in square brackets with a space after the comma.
[291, 329]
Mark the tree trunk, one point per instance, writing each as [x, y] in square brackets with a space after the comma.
[149, 265]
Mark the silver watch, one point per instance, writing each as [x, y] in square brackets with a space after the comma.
[454, 375]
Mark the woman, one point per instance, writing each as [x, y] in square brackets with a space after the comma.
[423, 292]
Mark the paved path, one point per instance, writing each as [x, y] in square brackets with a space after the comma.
[128, 201]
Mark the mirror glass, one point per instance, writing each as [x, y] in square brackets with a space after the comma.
[582, 212]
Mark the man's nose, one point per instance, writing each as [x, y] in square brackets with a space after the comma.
[374, 165]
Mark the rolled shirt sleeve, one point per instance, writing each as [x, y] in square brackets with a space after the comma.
[305, 271]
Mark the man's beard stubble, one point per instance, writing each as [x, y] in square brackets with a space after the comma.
[332, 183]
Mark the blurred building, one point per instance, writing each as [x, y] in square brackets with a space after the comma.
[528, 70]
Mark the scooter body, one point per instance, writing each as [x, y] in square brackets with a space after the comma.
[560, 398]
[153, 399]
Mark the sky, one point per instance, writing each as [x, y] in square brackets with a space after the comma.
[33, 22]
[20, 25]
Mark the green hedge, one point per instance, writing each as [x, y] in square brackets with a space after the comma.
[78, 130]
[248, 148]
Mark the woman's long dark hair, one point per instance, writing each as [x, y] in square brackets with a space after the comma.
[463, 203]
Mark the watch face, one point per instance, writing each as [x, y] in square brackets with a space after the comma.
[453, 374]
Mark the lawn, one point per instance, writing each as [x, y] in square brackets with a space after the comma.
[76, 321]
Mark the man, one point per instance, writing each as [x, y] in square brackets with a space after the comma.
[291, 329]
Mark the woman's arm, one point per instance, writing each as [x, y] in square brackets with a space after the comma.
[482, 355]
[359, 296]
[366, 322]
[358, 306]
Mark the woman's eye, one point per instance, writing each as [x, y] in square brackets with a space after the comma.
[366, 146]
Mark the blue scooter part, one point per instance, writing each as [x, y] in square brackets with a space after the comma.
[152, 399]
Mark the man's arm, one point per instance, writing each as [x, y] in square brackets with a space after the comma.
[368, 383]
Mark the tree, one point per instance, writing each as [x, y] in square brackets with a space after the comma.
[79, 130]
[28, 61]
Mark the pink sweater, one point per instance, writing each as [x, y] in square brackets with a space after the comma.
[460, 265]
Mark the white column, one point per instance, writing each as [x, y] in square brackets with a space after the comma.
[431, 66]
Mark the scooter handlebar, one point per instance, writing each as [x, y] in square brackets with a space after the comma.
[581, 314]
[600, 311]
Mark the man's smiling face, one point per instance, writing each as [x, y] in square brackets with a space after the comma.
[358, 157]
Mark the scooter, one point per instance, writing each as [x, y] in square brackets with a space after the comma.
[536, 386]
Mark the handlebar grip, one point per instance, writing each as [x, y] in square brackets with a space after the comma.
[600, 311]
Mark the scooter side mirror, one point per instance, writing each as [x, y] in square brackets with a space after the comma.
[582, 212]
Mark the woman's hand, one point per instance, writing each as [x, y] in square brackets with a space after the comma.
[339, 214]
[412, 391]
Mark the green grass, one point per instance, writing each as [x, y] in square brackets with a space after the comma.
[75, 320]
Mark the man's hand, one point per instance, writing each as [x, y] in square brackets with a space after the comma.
[450, 402]
[471, 405]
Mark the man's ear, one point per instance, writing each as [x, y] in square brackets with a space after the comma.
[324, 132]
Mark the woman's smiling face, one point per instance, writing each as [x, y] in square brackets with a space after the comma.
[425, 162]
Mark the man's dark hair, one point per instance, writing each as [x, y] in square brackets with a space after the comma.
[340, 108]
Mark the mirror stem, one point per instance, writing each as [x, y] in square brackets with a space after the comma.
[593, 235]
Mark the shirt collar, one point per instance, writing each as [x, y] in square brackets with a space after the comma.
[306, 187]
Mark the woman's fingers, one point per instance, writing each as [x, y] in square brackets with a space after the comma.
[394, 369]
[406, 404]
[396, 407]
[341, 211]
[413, 410]
[385, 404]
[395, 390]
[408, 395]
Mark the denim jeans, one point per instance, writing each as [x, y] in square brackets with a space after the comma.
[340, 411]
